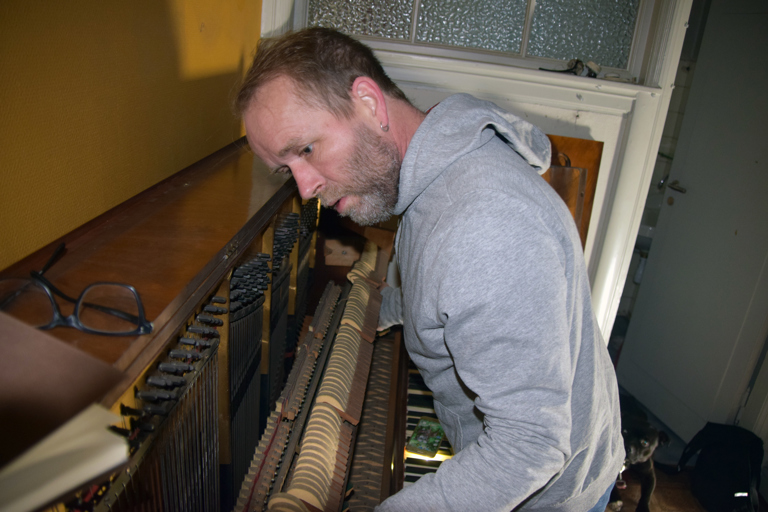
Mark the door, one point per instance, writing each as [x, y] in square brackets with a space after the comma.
[701, 311]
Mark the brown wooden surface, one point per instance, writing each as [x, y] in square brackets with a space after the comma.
[585, 154]
[43, 383]
[173, 242]
[672, 494]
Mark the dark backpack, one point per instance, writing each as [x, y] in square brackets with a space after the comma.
[726, 476]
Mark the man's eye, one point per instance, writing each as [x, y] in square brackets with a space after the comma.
[307, 150]
[282, 170]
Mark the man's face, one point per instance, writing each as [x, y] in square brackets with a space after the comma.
[344, 162]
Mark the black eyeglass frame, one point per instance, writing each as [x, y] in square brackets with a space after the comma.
[59, 320]
[73, 320]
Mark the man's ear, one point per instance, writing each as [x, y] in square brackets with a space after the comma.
[369, 100]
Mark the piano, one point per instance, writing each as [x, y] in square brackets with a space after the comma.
[263, 384]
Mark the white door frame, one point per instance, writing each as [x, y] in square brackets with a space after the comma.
[628, 118]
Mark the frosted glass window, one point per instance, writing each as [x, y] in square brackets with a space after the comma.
[488, 24]
[382, 18]
[596, 30]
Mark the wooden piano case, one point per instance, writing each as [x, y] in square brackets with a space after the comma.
[178, 243]
[181, 244]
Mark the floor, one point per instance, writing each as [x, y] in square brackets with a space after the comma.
[672, 494]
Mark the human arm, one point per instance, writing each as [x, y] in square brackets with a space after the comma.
[501, 299]
[391, 311]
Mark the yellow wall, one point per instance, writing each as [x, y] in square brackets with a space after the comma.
[101, 99]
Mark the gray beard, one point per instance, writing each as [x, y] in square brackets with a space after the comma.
[373, 173]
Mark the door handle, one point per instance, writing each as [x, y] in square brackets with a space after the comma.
[675, 185]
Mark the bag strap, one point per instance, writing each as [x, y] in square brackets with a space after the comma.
[701, 439]
[729, 435]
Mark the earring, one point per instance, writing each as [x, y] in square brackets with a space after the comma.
[384, 128]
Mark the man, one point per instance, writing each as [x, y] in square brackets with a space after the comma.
[495, 298]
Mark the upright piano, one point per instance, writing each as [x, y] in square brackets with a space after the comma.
[263, 384]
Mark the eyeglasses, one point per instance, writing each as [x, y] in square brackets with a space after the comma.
[112, 309]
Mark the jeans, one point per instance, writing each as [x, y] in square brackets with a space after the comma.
[602, 502]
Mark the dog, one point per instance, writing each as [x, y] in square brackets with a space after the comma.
[640, 441]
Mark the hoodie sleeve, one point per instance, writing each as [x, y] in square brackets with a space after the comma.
[391, 311]
[504, 306]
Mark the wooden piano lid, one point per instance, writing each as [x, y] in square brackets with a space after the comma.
[173, 242]
[582, 156]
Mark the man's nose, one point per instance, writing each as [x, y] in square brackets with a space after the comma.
[308, 180]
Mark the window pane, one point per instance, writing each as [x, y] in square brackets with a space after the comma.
[487, 24]
[383, 18]
[596, 30]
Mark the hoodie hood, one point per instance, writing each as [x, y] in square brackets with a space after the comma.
[451, 121]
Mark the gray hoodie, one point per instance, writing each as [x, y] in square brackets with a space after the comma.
[497, 316]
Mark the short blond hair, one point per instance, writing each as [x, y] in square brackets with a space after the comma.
[321, 62]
